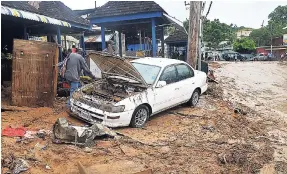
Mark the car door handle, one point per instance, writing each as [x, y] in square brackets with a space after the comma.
[176, 88]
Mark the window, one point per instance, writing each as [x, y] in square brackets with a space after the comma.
[148, 72]
[169, 75]
[184, 72]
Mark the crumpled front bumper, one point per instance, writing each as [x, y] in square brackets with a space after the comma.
[93, 115]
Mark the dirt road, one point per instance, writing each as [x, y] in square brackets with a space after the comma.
[262, 87]
[209, 138]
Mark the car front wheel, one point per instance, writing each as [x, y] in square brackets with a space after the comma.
[194, 98]
[140, 117]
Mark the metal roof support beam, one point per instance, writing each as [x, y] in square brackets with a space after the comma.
[120, 44]
[162, 41]
[153, 37]
[103, 37]
[81, 26]
[84, 46]
[59, 42]
[125, 17]
[65, 40]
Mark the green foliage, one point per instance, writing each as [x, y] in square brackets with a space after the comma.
[261, 36]
[186, 24]
[277, 21]
[215, 32]
[244, 45]
[279, 15]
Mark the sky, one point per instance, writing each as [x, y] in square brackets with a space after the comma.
[242, 13]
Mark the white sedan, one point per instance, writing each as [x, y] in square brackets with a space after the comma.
[131, 92]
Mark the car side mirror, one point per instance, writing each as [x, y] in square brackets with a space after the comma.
[160, 84]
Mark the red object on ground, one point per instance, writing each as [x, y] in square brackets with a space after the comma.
[66, 85]
[14, 132]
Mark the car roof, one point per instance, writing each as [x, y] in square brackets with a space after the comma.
[161, 62]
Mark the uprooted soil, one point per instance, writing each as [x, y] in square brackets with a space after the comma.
[210, 138]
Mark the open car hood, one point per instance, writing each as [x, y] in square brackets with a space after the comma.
[111, 66]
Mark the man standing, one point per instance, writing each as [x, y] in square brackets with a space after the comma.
[72, 68]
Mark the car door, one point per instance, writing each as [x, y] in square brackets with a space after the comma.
[165, 96]
[186, 82]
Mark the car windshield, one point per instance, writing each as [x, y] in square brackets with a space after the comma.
[148, 72]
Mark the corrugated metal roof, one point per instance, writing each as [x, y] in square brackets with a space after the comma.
[32, 16]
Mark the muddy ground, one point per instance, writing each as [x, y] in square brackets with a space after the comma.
[209, 138]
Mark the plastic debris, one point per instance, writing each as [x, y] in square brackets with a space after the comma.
[48, 167]
[41, 134]
[30, 134]
[88, 150]
[239, 111]
[40, 146]
[14, 132]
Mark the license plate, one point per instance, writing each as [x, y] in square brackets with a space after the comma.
[84, 115]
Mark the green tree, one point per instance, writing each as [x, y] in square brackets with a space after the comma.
[215, 32]
[186, 24]
[279, 15]
[277, 21]
[261, 36]
[244, 45]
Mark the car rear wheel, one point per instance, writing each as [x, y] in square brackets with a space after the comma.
[194, 98]
[140, 117]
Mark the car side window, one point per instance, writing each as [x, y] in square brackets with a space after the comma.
[184, 72]
[169, 75]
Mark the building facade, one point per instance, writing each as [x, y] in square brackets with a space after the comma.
[243, 33]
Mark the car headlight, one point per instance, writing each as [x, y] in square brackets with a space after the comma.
[113, 109]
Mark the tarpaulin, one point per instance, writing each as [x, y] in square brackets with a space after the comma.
[14, 132]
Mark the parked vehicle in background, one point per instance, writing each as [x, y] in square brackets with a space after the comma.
[232, 56]
[259, 57]
[248, 56]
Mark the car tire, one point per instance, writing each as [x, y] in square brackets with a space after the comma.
[194, 98]
[140, 116]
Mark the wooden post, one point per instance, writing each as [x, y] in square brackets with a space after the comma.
[153, 37]
[65, 42]
[193, 33]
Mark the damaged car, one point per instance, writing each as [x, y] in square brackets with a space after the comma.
[129, 92]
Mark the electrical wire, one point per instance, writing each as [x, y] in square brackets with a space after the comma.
[208, 9]
[174, 18]
[203, 6]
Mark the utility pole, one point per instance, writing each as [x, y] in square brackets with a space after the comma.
[271, 38]
[193, 33]
[200, 36]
